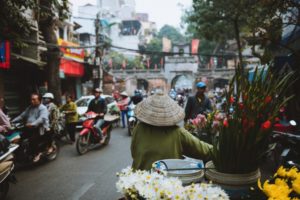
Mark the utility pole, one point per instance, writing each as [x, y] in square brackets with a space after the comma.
[98, 53]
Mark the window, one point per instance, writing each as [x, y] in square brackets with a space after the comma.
[83, 102]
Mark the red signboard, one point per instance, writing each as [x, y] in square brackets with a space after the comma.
[71, 68]
[4, 54]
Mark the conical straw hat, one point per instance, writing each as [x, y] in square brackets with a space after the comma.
[159, 110]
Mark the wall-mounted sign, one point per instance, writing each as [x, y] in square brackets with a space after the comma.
[75, 54]
[4, 54]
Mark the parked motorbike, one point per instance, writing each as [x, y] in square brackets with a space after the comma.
[286, 151]
[22, 155]
[132, 120]
[6, 170]
[89, 137]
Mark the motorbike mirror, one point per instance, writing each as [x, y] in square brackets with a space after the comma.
[293, 123]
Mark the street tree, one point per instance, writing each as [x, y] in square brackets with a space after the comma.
[258, 22]
[15, 26]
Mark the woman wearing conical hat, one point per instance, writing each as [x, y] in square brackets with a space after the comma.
[158, 137]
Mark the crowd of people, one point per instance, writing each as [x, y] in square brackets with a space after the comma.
[156, 135]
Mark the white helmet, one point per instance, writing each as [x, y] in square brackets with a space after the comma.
[48, 95]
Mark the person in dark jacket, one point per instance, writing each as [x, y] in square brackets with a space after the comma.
[136, 98]
[98, 105]
[198, 104]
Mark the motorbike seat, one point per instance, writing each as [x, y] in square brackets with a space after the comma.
[5, 166]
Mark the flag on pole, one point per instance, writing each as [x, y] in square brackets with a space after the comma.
[167, 44]
[195, 46]
[124, 64]
[148, 63]
[110, 63]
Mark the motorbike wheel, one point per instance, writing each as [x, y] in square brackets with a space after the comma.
[82, 144]
[108, 134]
[4, 187]
[53, 155]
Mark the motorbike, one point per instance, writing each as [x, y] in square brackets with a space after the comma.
[286, 150]
[132, 120]
[89, 137]
[180, 100]
[6, 170]
[22, 155]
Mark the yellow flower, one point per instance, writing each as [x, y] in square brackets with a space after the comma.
[281, 172]
[279, 189]
[296, 185]
[293, 173]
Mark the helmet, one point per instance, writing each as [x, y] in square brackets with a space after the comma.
[48, 95]
[201, 85]
[98, 90]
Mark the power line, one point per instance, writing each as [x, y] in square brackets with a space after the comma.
[145, 52]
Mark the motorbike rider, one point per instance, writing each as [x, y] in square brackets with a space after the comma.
[198, 104]
[4, 120]
[136, 98]
[48, 99]
[36, 118]
[98, 105]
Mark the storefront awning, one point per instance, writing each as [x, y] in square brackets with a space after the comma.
[71, 68]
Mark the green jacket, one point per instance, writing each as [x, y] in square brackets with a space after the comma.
[72, 117]
[152, 143]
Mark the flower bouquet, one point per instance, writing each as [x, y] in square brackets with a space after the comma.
[250, 110]
[206, 128]
[284, 185]
[138, 184]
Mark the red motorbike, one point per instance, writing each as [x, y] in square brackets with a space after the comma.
[89, 137]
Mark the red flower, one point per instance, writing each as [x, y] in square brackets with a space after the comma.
[245, 123]
[268, 99]
[241, 106]
[266, 125]
[225, 123]
[231, 99]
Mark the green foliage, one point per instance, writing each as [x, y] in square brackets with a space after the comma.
[171, 33]
[243, 138]
[259, 22]
[13, 22]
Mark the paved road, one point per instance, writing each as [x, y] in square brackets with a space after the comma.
[73, 177]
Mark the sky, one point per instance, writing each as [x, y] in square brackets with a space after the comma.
[160, 11]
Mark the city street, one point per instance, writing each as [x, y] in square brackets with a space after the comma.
[91, 176]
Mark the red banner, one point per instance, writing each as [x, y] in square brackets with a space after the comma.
[195, 46]
[110, 63]
[148, 63]
[124, 64]
[5, 54]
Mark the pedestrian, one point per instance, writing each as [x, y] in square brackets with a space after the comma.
[157, 135]
[123, 105]
[198, 104]
[4, 120]
[70, 109]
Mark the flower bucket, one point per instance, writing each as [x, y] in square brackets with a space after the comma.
[235, 185]
[195, 175]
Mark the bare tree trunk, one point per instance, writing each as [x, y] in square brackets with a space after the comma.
[53, 59]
